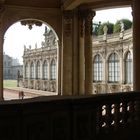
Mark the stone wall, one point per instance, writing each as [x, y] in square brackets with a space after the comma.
[120, 46]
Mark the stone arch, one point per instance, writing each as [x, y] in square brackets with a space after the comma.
[126, 52]
[13, 14]
[109, 54]
[96, 55]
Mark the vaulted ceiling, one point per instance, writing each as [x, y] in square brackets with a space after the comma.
[65, 4]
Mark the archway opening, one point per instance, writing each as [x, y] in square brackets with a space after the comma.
[30, 60]
[112, 36]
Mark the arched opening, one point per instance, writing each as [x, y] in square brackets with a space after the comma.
[33, 52]
[112, 32]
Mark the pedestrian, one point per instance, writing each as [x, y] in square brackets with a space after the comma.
[21, 95]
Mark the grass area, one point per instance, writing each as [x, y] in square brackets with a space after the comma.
[9, 83]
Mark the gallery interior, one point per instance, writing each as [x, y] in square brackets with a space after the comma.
[75, 113]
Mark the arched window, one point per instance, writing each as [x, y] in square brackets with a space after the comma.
[45, 70]
[53, 70]
[38, 70]
[97, 69]
[113, 73]
[26, 71]
[128, 69]
[32, 70]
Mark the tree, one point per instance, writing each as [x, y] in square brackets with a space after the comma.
[110, 28]
[127, 25]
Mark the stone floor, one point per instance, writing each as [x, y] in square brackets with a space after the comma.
[11, 94]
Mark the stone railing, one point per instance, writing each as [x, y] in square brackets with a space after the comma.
[113, 37]
[103, 116]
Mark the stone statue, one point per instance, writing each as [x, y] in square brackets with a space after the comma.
[43, 44]
[105, 29]
[30, 47]
[122, 26]
[46, 29]
[35, 45]
[24, 47]
[122, 30]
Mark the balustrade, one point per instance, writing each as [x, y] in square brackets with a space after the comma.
[113, 116]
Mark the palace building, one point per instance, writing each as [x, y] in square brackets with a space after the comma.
[80, 68]
[113, 62]
[40, 64]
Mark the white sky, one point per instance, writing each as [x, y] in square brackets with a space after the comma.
[112, 15]
[18, 35]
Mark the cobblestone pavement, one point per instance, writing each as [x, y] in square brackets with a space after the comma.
[11, 94]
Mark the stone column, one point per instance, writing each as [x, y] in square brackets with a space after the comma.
[81, 54]
[29, 74]
[1, 64]
[67, 54]
[49, 69]
[136, 44]
[41, 70]
[24, 72]
[2, 9]
[58, 78]
[88, 52]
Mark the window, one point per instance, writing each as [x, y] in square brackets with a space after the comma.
[38, 70]
[97, 69]
[26, 70]
[53, 70]
[45, 70]
[113, 73]
[32, 70]
[128, 68]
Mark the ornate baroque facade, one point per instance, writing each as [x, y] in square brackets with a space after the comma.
[40, 64]
[113, 62]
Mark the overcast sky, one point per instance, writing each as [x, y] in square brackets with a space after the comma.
[18, 35]
[112, 15]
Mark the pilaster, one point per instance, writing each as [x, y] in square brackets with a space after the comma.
[88, 52]
[67, 54]
[81, 53]
[136, 44]
[1, 51]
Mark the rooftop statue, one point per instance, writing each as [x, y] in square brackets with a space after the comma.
[122, 26]
[105, 29]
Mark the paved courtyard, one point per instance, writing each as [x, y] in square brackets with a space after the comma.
[11, 94]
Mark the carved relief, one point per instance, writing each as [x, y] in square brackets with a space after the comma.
[30, 23]
[88, 21]
[68, 23]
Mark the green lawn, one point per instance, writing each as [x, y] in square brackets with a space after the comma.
[10, 83]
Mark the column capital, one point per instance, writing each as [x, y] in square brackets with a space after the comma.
[89, 14]
[85, 18]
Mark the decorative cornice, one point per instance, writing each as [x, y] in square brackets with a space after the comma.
[30, 23]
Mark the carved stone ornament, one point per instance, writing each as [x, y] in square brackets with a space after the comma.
[30, 23]
[88, 21]
[68, 23]
[82, 27]
[81, 23]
